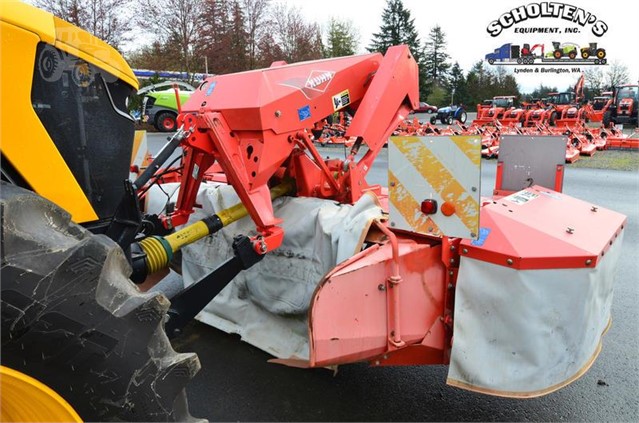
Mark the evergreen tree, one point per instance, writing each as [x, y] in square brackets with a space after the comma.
[399, 28]
[457, 85]
[542, 91]
[435, 57]
[341, 39]
[480, 84]
[216, 35]
[238, 40]
[509, 86]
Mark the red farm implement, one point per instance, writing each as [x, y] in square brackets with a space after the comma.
[386, 290]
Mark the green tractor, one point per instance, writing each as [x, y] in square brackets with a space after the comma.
[160, 108]
[564, 50]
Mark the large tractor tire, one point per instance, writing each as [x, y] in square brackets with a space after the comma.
[607, 119]
[165, 122]
[73, 320]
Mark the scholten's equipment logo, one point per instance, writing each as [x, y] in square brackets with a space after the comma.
[563, 11]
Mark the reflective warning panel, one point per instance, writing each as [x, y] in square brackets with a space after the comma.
[434, 184]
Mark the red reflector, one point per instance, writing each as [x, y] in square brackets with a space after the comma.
[429, 206]
[134, 169]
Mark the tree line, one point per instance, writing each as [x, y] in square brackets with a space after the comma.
[218, 36]
[223, 36]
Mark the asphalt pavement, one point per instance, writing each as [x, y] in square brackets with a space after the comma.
[237, 383]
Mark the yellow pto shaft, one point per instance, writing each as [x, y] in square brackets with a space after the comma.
[159, 250]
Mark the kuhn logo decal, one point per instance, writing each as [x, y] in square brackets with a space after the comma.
[319, 80]
[563, 11]
[313, 85]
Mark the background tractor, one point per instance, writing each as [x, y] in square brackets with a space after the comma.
[600, 106]
[160, 107]
[569, 50]
[448, 114]
[592, 50]
[498, 108]
[624, 107]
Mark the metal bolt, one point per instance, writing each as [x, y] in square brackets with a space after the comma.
[203, 104]
[509, 262]
[278, 113]
[430, 229]
[594, 209]
[473, 189]
[452, 261]
[588, 262]
[473, 235]
[452, 248]
[381, 287]
[393, 224]
[570, 230]
[392, 184]
[451, 273]
[450, 286]
[465, 251]
[377, 362]
[385, 356]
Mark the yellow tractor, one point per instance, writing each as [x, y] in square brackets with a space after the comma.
[73, 325]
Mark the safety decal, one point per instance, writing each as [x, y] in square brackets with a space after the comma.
[304, 112]
[521, 197]
[341, 100]
[441, 170]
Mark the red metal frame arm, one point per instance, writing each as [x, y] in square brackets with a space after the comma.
[392, 94]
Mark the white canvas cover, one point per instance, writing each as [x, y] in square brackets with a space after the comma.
[267, 305]
[526, 333]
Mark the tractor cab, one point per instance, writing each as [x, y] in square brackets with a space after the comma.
[599, 102]
[563, 99]
[496, 111]
[628, 92]
[625, 106]
[484, 105]
[503, 102]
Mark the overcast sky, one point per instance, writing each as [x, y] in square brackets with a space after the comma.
[464, 23]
